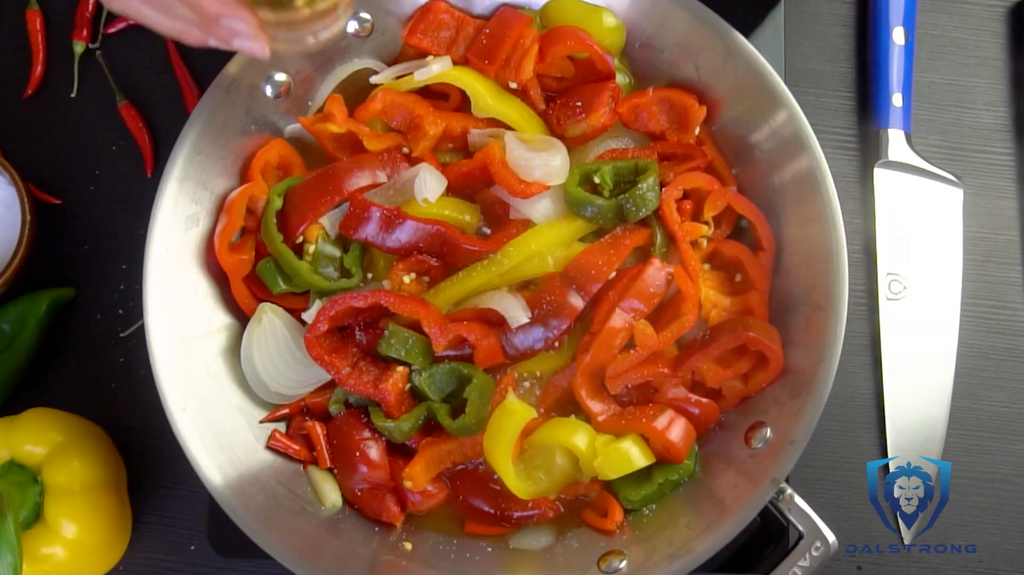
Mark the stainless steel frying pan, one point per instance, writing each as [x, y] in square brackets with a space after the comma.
[194, 336]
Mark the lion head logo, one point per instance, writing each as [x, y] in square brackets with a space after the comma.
[908, 491]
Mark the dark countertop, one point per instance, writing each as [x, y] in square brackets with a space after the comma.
[78, 150]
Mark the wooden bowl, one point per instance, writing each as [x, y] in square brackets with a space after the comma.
[21, 217]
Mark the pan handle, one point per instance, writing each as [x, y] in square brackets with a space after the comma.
[816, 545]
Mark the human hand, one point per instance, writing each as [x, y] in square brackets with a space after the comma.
[221, 24]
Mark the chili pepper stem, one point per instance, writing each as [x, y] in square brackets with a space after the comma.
[103, 24]
[78, 48]
[110, 79]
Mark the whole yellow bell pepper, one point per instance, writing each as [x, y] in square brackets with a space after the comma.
[80, 521]
[603, 24]
[488, 99]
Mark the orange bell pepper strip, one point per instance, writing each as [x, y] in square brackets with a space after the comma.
[522, 62]
[493, 155]
[439, 454]
[603, 513]
[341, 136]
[674, 159]
[732, 283]
[238, 257]
[669, 114]
[677, 215]
[557, 68]
[583, 113]
[440, 29]
[275, 162]
[497, 40]
[759, 226]
[717, 164]
[453, 100]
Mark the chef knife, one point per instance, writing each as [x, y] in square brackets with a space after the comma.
[919, 243]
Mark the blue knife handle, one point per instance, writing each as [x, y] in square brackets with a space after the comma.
[893, 31]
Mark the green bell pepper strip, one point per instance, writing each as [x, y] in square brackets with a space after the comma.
[442, 380]
[407, 346]
[662, 241]
[305, 274]
[608, 193]
[272, 275]
[336, 405]
[21, 498]
[649, 485]
[23, 324]
[330, 257]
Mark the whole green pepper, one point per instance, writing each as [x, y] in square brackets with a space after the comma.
[406, 345]
[608, 193]
[23, 324]
[650, 484]
[323, 276]
[442, 380]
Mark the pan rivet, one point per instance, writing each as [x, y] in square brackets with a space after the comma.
[277, 86]
[612, 561]
[360, 25]
[757, 435]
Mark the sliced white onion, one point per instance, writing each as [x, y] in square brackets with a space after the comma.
[510, 305]
[421, 69]
[534, 538]
[479, 139]
[537, 158]
[326, 487]
[274, 358]
[297, 132]
[617, 137]
[310, 314]
[332, 219]
[543, 207]
[422, 182]
[339, 75]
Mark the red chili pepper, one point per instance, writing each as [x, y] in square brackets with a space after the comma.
[393, 231]
[440, 29]
[663, 113]
[317, 432]
[559, 68]
[296, 429]
[361, 466]
[283, 412]
[421, 501]
[36, 27]
[318, 400]
[118, 24]
[132, 119]
[285, 445]
[478, 495]
[583, 113]
[189, 90]
[81, 34]
[42, 196]
[496, 40]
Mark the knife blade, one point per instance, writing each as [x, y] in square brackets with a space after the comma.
[919, 251]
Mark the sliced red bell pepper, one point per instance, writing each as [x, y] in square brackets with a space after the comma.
[275, 162]
[479, 495]
[331, 185]
[671, 391]
[341, 136]
[457, 126]
[393, 231]
[361, 373]
[674, 158]
[582, 113]
[237, 257]
[520, 66]
[415, 274]
[440, 29]
[417, 502]
[468, 177]
[495, 43]
[296, 430]
[762, 232]
[439, 454]
[361, 467]
[663, 114]
[408, 53]
[558, 66]
[494, 156]
[290, 301]
[556, 397]
[454, 99]
[318, 400]
[676, 215]
[603, 513]
[717, 164]
[484, 339]
[733, 282]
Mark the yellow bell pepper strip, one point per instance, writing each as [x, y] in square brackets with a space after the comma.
[540, 239]
[603, 24]
[488, 99]
[85, 521]
[623, 456]
[459, 213]
[552, 261]
[571, 433]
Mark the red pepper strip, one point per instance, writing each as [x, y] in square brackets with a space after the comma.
[331, 185]
[711, 204]
[393, 231]
[484, 339]
[361, 373]
[589, 271]
[131, 117]
[42, 196]
[506, 383]
[534, 95]
[521, 63]
[289, 301]
[317, 401]
[36, 27]
[658, 369]
[408, 53]
[663, 113]
[468, 177]
[118, 24]
[419, 502]
[733, 282]
[454, 98]
[274, 163]
[81, 34]
[340, 136]
[669, 434]
[483, 530]
[237, 257]
[558, 70]
[285, 445]
[317, 432]
[416, 273]
[717, 164]
[283, 412]
[556, 397]
[494, 45]
[189, 89]
[604, 513]
[493, 155]
[479, 495]
[681, 230]
[583, 113]
[440, 29]
[672, 391]
[296, 430]
[361, 466]
[439, 454]
[674, 158]
[759, 226]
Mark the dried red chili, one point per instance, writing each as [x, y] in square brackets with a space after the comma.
[36, 27]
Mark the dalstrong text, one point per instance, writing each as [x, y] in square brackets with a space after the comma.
[939, 548]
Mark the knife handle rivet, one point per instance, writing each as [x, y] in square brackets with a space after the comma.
[757, 435]
[897, 100]
[899, 36]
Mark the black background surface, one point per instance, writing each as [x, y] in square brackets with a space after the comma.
[79, 151]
